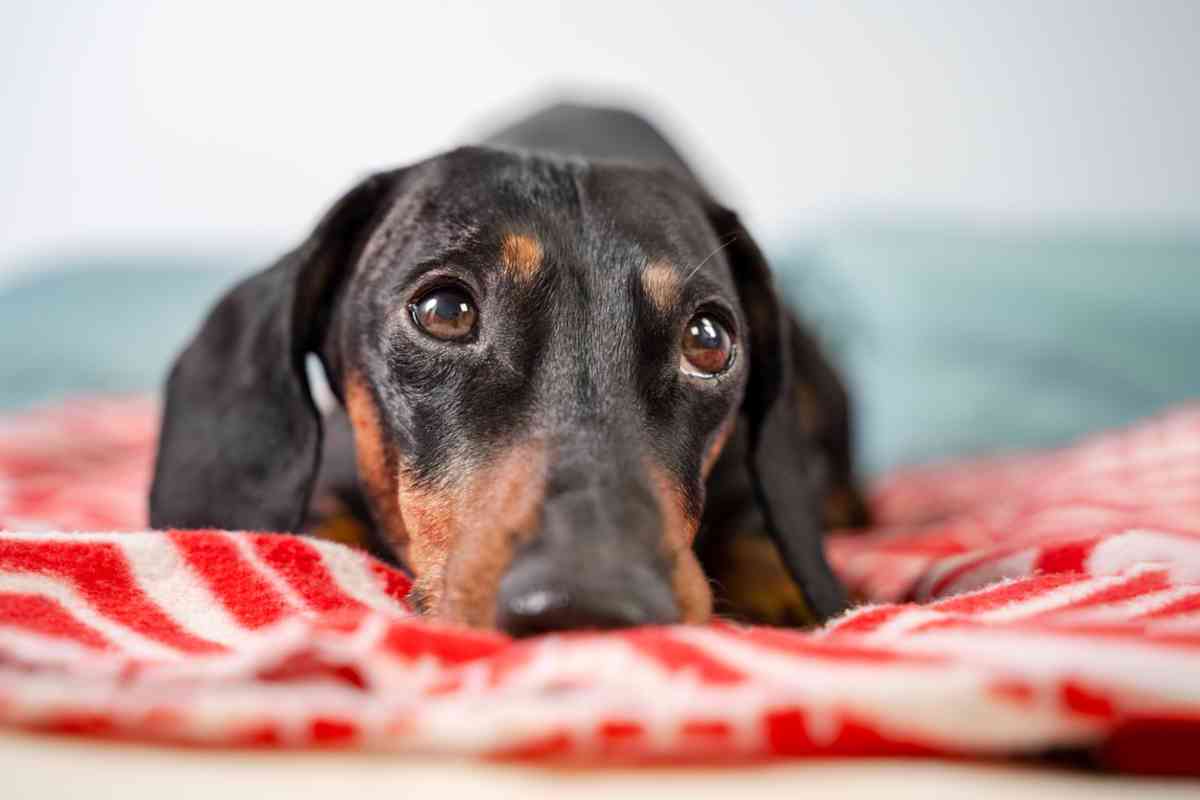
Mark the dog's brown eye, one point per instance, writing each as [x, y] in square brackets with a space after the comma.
[707, 346]
[445, 313]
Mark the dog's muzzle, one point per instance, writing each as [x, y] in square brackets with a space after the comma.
[597, 563]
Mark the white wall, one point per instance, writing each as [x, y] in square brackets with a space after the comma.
[217, 121]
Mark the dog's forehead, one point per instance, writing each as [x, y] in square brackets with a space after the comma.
[518, 210]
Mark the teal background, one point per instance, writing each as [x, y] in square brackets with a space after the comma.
[955, 340]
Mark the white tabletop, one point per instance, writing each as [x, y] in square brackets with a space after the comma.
[47, 768]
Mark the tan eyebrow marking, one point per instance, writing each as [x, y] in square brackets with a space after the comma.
[661, 283]
[521, 255]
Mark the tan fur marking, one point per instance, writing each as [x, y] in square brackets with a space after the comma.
[808, 406]
[521, 256]
[756, 586]
[462, 539]
[371, 453]
[458, 541]
[691, 588]
[661, 283]
[717, 446]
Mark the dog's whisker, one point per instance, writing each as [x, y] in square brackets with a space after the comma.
[707, 258]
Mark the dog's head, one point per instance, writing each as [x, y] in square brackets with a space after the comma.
[541, 360]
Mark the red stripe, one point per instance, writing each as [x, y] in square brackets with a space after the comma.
[553, 745]
[1131, 631]
[787, 734]
[1086, 700]
[1005, 594]
[232, 579]
[1183, 605]
[447, 646]
[798, 644]
[708, 729]
[674, 655]
[1069, 557]
[299, 563]
[1147, 582]
[261, 735]
[332, 732]
[1098, 632]
[865, 621]
[97, 724]
[46, 616]
[618, 737]
[394, 583]
[101, 574]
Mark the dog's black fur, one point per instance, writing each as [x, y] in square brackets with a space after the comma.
[578, 359]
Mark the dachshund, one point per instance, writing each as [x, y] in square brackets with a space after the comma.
[568, 394]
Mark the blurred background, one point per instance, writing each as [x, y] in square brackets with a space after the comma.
[990, 210]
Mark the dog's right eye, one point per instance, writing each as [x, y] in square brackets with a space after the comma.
[707, 347]
[445, 313]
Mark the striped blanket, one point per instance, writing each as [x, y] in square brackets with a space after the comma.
[1010, 607]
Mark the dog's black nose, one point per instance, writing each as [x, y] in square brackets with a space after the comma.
[529, 606]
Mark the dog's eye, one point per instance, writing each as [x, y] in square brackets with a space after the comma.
[445, 313]
[707, 347]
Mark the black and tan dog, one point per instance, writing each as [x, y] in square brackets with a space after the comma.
[573, 396]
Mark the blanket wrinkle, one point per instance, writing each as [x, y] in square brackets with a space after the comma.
[1011, 606]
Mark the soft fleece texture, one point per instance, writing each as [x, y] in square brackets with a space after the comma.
[1013, 606]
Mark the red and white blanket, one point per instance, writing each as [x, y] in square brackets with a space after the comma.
[1017, 606]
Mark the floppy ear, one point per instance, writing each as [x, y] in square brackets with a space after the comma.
[823, 407]
[241, 438]
[787, 468]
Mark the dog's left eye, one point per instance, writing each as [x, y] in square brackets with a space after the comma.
[707, 348]
[445, 313]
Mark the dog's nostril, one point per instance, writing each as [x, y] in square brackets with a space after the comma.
[549, 610]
